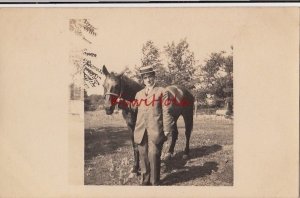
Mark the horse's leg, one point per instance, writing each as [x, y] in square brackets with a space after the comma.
[188, 120]
[130, 121]
[173, 142]
[136, 165]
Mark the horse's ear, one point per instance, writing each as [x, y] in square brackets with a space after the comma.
[123, 71]
[105, 71]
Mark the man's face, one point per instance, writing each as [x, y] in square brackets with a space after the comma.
[149, 79]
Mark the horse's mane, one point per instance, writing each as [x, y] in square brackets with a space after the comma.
[130, 88]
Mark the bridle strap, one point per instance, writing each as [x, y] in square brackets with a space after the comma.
[114, 94]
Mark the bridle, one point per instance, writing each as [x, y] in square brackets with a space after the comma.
[119, 96]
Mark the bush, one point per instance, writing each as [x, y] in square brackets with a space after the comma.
[93, 102]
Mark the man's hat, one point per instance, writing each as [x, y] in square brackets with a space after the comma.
[146, 70]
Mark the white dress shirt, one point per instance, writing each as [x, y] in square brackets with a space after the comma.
[149, 89]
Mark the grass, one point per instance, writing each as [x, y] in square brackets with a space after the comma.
[109, 154]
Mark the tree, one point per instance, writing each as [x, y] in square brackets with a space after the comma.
[82, 26]
[216, 77]
[92, 102]
[151, 57]
[181, 63]
[82, 58]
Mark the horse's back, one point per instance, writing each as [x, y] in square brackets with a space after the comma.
[184, 100]
[180, 93]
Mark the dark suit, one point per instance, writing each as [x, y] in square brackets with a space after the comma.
[153, 118]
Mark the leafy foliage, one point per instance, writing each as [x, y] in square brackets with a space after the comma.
[92, 102]
[91, 73]
[216, 77]
[79, 26]
[213, 80]
[181, 62]
[150, 57]
[134, 74]
[82, 59]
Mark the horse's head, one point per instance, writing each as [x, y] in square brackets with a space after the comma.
[112, 89]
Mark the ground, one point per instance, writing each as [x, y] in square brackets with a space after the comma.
[109, 154]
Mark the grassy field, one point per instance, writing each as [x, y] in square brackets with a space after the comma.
[109, 154]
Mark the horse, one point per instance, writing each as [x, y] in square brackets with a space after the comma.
[116, 84]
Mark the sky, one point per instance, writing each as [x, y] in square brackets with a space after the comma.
[123, 31]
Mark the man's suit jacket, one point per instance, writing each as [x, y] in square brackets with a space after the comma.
[152, 115]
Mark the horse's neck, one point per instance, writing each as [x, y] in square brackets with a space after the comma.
[130, 88]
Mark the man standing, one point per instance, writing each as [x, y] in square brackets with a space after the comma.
[153, 124]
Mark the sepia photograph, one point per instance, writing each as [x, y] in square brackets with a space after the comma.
[149, 100]
[157, 89]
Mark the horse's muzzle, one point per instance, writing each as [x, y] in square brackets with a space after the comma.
[109, 110]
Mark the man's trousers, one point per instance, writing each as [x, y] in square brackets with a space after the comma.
[150, 161]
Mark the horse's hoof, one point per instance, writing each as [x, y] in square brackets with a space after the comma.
[185, 157]
[168, 156]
